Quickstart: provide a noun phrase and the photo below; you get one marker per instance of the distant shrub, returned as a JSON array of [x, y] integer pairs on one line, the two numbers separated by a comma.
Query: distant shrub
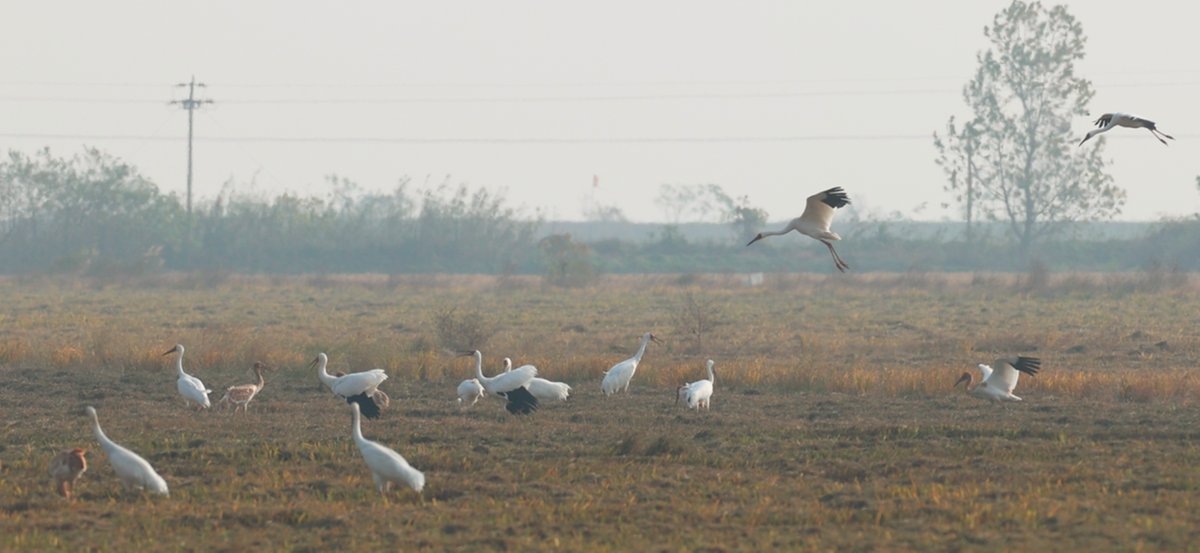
[[462, 330]]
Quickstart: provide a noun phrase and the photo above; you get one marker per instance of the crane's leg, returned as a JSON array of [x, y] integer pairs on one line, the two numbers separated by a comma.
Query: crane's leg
[[837, 260]]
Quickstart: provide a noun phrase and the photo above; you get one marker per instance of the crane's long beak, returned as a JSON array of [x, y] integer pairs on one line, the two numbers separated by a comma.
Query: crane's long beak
[[756, 239], [466, 353], [314, 362], [170, 351], [966, 377], [655, 339]]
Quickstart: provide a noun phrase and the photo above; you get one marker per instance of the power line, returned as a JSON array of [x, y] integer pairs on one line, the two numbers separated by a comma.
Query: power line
[[512, 141]]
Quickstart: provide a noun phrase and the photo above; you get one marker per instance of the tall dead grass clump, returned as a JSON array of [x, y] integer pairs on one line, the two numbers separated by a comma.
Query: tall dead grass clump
[[462, 330]]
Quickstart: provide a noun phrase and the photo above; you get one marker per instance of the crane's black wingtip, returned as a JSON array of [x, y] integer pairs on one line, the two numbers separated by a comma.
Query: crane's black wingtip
[[366, 405], [1028, 365], [836, 197], [520, 402]]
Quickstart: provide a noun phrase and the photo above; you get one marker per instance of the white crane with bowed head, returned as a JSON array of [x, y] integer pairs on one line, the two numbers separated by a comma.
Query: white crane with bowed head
[[700, 392], [386, 465], [815, 221], [541, 388], [998, 385], [1109, 121], [354, 387], [190, 387], [618, 377], [133, 470], [512, 386], [469, 392]]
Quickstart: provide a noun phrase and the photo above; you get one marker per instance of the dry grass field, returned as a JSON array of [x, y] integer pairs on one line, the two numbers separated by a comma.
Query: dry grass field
[[834, 425]]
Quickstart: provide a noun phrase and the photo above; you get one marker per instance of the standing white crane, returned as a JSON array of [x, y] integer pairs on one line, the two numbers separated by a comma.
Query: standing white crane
[[815, 221], [1108, 121], [700, 392], [354, 387], [469, 390], [190, 387], [617, 378], [997, 385], [386, 465], [510, 385], [133, 470], [543, 389], [239, 396]]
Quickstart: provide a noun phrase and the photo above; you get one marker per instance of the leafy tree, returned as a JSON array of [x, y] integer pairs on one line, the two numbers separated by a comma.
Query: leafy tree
[[1024, 166]]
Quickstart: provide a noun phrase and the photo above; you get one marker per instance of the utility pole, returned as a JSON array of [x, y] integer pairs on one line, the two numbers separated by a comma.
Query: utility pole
[[191, 105]]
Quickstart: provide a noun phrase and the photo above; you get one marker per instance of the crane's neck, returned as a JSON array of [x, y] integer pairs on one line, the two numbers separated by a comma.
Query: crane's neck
[[479, 367], [712, 377], [179, 365], [321, 374], [261, 381], [642, 349], [780, 232], [507, 364], [358, 437], [104, 441]]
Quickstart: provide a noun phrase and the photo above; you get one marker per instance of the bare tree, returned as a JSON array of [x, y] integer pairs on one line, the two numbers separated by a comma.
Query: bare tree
[[1024, 167]]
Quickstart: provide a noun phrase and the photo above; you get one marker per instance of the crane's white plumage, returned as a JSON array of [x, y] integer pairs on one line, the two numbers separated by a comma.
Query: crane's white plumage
[[511, 385], [700, 392], [618, 377], [190, 387], [815, 222], [133, 470], [469, 392], [386, 465], [354, 387], [1109, 121], [998, 384], [541, 388]]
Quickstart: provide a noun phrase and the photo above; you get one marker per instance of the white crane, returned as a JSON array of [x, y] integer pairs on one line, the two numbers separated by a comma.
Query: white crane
[[240, 396], [190, 387], [543, 389], [700, 392], [354, 387], [617, 378], [66, 468], [510, 385], [815, 221], [133, 470], [386, 465], [1108, 121], [469, 390], [997, 385]]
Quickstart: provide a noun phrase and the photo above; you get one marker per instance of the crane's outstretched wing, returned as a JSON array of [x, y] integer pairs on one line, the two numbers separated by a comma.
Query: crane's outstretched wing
[[520, 401], [819, 207], [986, 370], [1008, 370]]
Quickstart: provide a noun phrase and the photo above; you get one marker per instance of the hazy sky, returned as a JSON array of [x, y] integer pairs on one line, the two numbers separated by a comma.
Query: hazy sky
[[775, 100]]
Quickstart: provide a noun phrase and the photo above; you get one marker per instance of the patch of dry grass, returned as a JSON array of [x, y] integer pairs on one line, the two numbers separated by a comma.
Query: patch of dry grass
[[834, 425]]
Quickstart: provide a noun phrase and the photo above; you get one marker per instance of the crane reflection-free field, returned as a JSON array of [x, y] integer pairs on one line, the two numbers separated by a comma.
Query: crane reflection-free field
[[834, 420]]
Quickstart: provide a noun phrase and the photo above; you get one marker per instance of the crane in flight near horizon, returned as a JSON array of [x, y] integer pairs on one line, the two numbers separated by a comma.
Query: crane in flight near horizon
[[1107, 121], [815, 221]]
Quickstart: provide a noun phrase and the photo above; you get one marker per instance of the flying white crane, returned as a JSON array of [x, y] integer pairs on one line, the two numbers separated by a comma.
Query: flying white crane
[[469, 390], [190, 387], [66, 468], [1108, 121], [354, 387], [386, 465], [700, 392], [133, 470], [510, 385], [815, 221], [997, 385], [543, 389], [239, 396], [617, 378]]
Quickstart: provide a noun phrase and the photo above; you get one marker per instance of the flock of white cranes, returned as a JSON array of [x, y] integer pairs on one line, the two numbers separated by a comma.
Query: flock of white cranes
[[521, 388]]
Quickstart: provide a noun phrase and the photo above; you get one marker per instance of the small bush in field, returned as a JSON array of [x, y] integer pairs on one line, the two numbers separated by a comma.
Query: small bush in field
[[462, 330]]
